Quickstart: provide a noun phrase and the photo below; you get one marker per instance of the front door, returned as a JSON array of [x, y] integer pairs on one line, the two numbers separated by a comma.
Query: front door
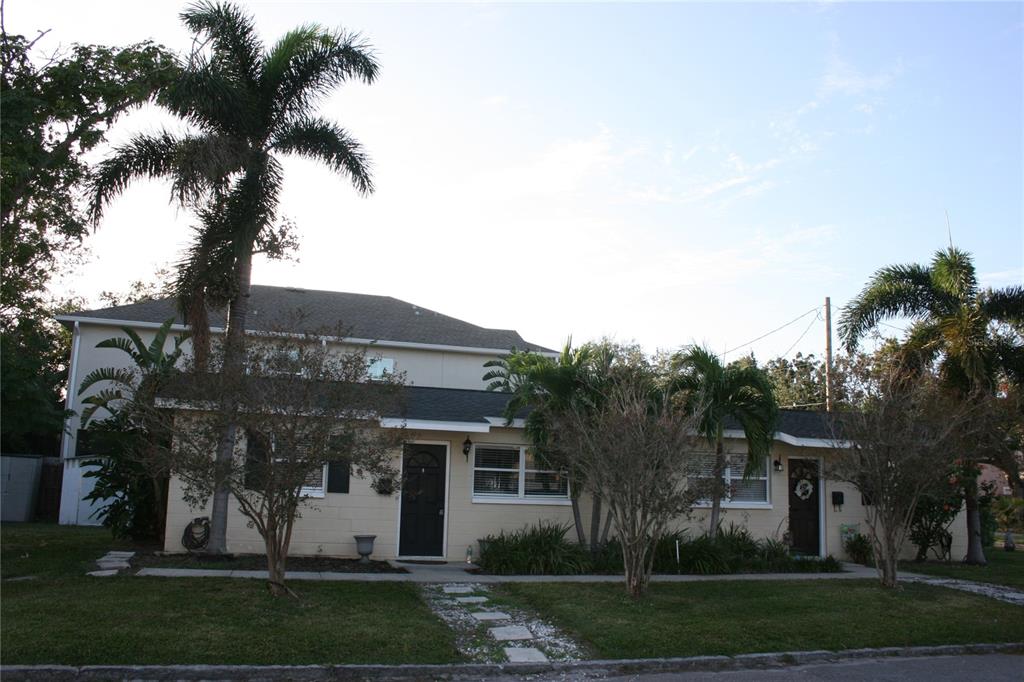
[[422, 521], [804, 506]]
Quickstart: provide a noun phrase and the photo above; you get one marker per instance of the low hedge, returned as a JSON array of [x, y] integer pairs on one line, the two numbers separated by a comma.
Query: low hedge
[[544, 549]]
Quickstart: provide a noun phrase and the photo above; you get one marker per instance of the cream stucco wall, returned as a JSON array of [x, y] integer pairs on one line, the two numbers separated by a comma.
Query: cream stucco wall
[[328, 524]]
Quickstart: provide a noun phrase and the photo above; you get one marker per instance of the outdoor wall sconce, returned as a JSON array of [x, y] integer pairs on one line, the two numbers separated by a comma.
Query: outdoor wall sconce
[[777, 465], [837, 500], [467, 445]]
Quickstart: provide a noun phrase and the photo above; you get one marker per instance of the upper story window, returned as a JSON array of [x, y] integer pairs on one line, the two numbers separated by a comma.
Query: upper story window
[[511, 473], [378, 367], [740, 491]]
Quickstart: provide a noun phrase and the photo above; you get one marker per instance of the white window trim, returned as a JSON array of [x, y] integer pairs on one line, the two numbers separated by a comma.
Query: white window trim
[[746, 504], [307, 491], [521, 497], [320, 492]]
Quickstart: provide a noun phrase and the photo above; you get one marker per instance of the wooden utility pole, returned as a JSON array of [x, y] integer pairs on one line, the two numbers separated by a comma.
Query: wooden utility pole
[[828, 354]]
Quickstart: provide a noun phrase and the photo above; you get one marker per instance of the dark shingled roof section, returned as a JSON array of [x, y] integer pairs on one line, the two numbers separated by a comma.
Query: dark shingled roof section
[[361, 316], [798, 423], [428, 403], [454, 404]]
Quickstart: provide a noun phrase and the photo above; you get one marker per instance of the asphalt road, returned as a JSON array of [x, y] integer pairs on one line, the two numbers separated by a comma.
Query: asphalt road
[[982, 668]]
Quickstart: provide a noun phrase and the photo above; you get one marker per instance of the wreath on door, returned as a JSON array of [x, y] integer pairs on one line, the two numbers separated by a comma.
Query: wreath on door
[[804, 489]]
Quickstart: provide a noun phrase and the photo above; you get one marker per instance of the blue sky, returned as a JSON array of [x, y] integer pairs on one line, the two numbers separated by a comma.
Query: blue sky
[[668, 173]]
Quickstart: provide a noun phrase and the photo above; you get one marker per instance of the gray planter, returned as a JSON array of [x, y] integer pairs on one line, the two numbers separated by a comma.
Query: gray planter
[[364, 545]]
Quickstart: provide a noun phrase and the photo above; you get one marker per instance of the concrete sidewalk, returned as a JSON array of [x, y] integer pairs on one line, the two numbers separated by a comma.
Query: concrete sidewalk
[[456, 572]]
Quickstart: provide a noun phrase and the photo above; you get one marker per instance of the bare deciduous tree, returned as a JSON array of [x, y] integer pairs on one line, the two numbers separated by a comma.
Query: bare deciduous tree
[[637, 450], [302, 404], [894, 446]]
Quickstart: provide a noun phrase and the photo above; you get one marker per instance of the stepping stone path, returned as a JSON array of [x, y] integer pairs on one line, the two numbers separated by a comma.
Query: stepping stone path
[[110, 563], [464, 608], [507, 633], [524, 654]]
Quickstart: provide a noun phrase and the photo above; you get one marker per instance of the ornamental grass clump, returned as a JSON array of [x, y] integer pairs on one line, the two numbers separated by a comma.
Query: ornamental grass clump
[[536, 550]]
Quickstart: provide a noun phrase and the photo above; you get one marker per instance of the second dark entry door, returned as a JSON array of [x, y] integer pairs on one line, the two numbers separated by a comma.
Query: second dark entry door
[[804, 506], [422, 514]]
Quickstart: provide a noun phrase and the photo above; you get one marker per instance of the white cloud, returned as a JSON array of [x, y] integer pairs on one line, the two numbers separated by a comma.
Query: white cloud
[[843, 78]]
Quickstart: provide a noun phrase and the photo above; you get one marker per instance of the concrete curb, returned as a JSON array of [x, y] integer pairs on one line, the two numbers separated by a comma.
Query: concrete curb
[[467, 671]]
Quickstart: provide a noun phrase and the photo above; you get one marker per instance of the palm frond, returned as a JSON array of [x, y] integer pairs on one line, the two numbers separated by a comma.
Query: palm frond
[[307, 63], [122, 344], [232, 34], [1004, 305], [894, 291], [952, 271], [115, 375], [144, 156], [327, 142]]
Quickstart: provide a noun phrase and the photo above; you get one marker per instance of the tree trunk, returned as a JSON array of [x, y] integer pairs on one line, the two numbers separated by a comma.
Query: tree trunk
[[577, 519], [607, 528], [234, 356], [635, 564], [159, 507], [595, 526], [975, 552], [716, 495]]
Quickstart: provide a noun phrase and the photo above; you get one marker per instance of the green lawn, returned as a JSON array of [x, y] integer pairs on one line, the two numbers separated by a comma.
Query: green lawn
[[689, 619], [63, 616], [1004, 568]]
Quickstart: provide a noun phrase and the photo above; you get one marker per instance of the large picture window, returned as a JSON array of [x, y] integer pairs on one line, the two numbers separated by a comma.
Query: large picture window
[[751, 491], [511, 473]]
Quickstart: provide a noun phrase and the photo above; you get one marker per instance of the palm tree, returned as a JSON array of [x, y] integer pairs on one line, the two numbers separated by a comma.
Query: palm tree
[[547, 387], [248, 105], [127, 396], [973, 334], [717, 394]]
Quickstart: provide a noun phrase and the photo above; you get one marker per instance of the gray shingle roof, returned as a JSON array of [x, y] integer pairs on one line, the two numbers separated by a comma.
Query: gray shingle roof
[[361, 316], [798, 423]]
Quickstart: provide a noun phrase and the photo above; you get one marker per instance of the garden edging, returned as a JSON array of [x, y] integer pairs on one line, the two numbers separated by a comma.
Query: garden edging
[[60, 673]]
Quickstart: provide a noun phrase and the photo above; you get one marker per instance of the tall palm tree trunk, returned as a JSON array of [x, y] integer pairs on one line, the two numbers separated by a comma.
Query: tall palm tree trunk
[[975, 551], [718, 472], [234, 355]]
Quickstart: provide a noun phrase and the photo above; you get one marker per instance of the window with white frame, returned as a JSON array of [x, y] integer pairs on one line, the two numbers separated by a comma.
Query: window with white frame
[[740, 491], [376, 368], [261, 451], [512, 472]]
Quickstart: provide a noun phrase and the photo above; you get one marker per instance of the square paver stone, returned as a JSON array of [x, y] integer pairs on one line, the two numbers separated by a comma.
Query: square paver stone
[[490, 615], [508, 633], [471, 600], [457, 589], [101, 574], [119, 555], [112, 565], [524, 654]]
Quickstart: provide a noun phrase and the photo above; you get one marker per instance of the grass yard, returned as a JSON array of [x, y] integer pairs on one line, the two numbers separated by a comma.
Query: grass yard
[[63, 616], [690, 619], [1004, 568]]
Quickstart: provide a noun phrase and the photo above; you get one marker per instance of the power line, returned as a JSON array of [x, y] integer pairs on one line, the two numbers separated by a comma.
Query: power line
[[817, 318], [777, 329]]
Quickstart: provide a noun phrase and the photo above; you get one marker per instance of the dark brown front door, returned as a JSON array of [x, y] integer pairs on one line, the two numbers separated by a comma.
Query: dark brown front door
[[422, 522], [804, 506]]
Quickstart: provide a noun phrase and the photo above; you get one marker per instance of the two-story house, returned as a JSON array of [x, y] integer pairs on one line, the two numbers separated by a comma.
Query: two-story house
[[474, 472]]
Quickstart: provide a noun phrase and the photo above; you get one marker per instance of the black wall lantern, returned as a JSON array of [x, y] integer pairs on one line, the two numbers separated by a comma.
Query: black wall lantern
[[467, 445], [777, 465], [837, 500]]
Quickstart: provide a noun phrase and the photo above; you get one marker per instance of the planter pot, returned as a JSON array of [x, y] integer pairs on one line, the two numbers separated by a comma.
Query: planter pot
[[364, 545]]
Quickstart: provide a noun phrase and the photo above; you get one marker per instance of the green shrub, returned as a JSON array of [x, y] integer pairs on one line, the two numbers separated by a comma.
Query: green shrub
[[703, 556], [544, 550], [536, 550], [858, 547]]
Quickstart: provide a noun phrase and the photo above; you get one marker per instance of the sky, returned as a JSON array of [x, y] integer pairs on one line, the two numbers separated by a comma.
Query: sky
[[667, 173]]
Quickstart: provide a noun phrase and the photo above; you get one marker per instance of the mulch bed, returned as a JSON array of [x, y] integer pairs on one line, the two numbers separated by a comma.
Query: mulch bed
[[258, 562]]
